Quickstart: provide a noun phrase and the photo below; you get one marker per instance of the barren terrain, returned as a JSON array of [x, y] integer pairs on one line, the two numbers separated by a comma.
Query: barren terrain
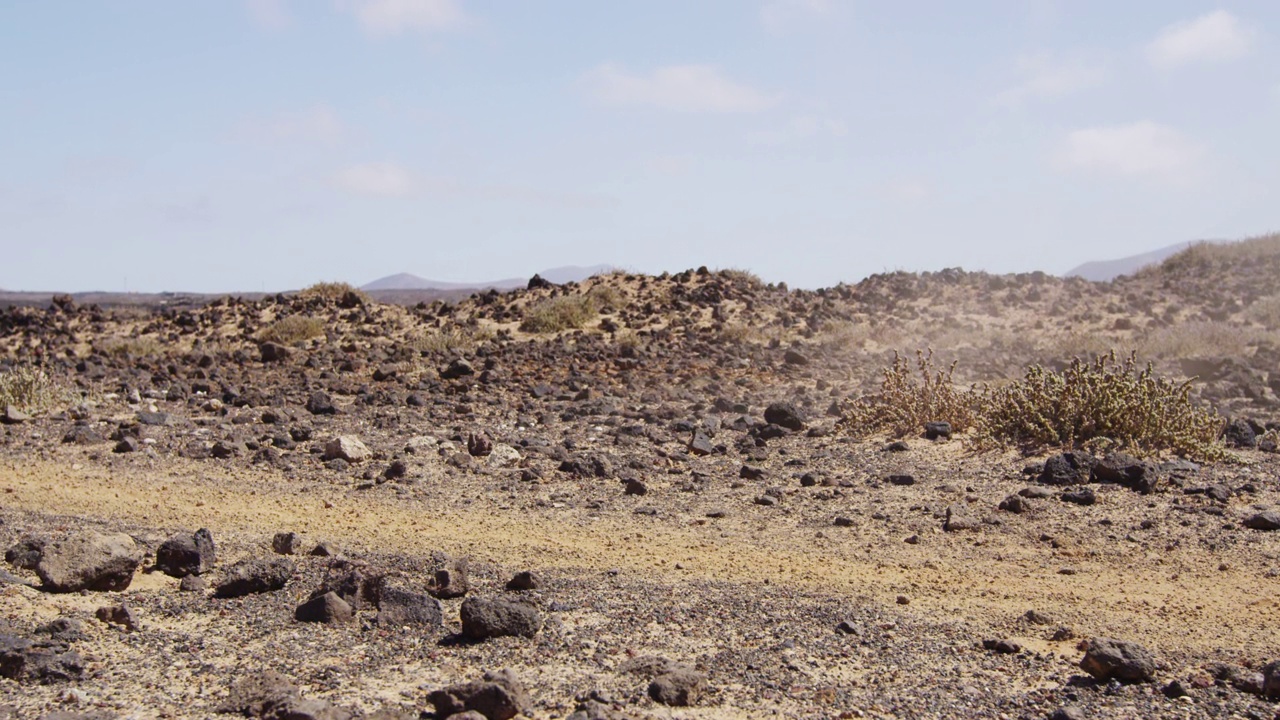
[[705, 537]]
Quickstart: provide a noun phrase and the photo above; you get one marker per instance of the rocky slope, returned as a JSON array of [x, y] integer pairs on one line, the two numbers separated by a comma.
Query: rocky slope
[[450, 507]]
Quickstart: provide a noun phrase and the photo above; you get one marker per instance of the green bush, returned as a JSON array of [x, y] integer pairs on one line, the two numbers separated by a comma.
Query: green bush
[[292, 330], [1102, 404], [559, 313]]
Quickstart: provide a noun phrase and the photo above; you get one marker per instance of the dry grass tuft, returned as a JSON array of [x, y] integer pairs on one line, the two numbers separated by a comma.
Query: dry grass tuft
[[911, 394], [559, 313], [30, 389], [1199, 338], [451, 340], [130, 347], [292, 330]]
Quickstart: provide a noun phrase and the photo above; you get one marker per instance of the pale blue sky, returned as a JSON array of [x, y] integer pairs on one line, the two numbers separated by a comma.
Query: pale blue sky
[[247, 144]]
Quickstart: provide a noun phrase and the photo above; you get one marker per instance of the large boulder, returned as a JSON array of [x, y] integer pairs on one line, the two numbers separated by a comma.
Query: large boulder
[[1107, 659], [680, 687], [400, 607], [186, 554], [42, 660], [89, 561], [482, 619], [1126, 470], [1070, 468], [499, 696]]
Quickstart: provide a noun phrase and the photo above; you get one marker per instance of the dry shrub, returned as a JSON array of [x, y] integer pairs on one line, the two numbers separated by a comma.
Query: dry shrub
[[30, 389], [1100, 404], [292, 330], [559, 313], [909, 397], [607, 298], [1266, 312], [451, 340], [738, 276], [331, 292], [1199, 338], [131, 347]]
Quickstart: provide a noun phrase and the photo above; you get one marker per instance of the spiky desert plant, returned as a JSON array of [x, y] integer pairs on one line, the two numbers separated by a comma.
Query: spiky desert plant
[[1102, 403], [911, 394]]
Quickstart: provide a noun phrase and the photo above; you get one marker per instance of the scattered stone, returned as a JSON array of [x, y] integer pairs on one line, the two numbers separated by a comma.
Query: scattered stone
[[286, 543], [847, 628], [26, 552], [784, 414], [902, 480], [1080, 496], [746, 472], [1071, 468], [186, 554], [1271, 680], [1269, 520], [523, 580], [678, 688], [1069, 712], [192, 583], [791, 357], [42, 661], [700, 444], [1175, 690], [271, 352], [257, 694], [1126, 470], [89, 561], [451, 581], [634, 486], [937, 430], [1002, 646], [1015, 504], [121, 615], [482, 619], [13, 416], [327, 608], [321, 404], [957, 521], [842, 521], [348, 448], [1106, 659], [398, 607], [498, 696], [1240, 433], [458, 368], [254, 576], [83, 435]]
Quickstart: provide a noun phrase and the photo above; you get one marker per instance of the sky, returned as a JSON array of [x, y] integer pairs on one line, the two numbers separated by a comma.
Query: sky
[[243, 145]]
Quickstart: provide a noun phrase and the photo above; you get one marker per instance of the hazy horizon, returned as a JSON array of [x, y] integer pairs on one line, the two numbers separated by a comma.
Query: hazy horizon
[[255, 145]]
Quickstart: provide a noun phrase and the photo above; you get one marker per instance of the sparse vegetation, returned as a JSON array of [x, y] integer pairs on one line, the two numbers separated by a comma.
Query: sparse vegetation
[[30, 389], [331, 292], [559, 313], [1196, 339], [1266, 312], [911, 394], [1205, 255], [292, 330], [131, 346], [1099, 404], [451, 340], [607, 298]]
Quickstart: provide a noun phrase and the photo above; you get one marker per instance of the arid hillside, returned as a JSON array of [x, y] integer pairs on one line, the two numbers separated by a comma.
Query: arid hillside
[[693, 495]]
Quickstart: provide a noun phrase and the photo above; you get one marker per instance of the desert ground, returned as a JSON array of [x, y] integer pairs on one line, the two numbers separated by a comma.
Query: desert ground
[[637, 497]]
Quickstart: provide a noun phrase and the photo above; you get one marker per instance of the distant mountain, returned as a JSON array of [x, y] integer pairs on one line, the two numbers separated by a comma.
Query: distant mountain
[[1104, 270], [407, 281]]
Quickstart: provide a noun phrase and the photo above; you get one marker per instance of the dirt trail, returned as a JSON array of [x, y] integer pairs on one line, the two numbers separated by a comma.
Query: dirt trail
[[1201, 612]]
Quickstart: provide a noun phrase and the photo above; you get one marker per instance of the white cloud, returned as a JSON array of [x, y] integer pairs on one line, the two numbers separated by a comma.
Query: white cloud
[[800, 127], [317, 124], [778, 15], [1138, 149], [1216, 37], [393, 17], [685, 88], [269, 14], [383, 179], [1047, 78]]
